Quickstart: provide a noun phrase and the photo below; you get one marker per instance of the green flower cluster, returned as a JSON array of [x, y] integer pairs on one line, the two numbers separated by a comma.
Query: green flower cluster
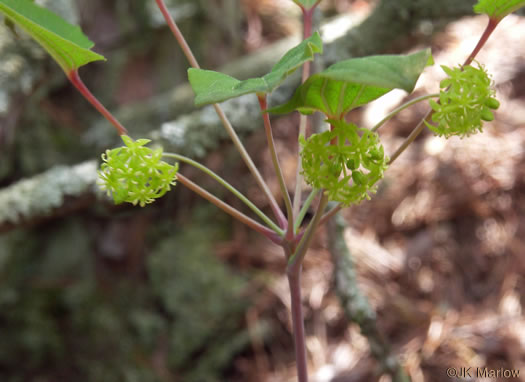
[[466, 101], [346, 162], [135, 174]]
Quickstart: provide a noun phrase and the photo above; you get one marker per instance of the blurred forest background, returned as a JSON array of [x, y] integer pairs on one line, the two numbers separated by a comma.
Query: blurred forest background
[[177, 291]]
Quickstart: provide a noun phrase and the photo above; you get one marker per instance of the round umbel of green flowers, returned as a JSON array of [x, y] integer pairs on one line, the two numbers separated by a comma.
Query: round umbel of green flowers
[[135, 174], [346, 162], [465, 101]]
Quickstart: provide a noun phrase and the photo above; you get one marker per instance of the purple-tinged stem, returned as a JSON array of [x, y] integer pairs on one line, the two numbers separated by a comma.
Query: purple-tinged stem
[[279, 215], [277, 167], [294, 281], [273, 236], [307, 32], [295, 259], [77, 82], [330, 214], [177, 33], [293, 271], [493, 23]]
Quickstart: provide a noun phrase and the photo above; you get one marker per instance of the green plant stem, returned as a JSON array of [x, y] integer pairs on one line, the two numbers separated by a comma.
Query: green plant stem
[[304, 209], [303, 121], [327, 216], [276, 165], [75, 79], [493, 23], [273, 236], [411, 138], [230, 188], [296, 259], [403, 107], [299, 178], [226, 123]]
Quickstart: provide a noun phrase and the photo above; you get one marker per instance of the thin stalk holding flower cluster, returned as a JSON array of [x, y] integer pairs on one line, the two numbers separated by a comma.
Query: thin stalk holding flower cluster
[[227, 125], [77, 82], [229, 209], [304, 209], [401, 108], [303, 121], [296, 259], [276, 166], [228, 186]]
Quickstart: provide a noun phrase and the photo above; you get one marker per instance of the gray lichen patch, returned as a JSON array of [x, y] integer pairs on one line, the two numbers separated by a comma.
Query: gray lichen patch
[[40, 194]]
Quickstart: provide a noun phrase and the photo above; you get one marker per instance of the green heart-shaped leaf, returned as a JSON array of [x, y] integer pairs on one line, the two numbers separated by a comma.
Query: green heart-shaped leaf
[[64, 42], [307, 4], [498, 9], [355, 82], [213, 87]]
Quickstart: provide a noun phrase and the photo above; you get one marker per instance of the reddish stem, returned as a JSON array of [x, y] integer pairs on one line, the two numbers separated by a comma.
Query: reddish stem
[[77, 82], [178, 35], [226, 123], [296, 257], [493, 23], [333, 142], [308, 21], [303, 124], [288, 225]]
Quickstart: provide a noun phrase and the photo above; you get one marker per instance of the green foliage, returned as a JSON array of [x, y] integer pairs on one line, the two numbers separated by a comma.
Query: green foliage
[[465, 101], [64, 42], [307, 4], [346, 162], [213, 87], [355, 82], [498, 9], [135, 173]]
